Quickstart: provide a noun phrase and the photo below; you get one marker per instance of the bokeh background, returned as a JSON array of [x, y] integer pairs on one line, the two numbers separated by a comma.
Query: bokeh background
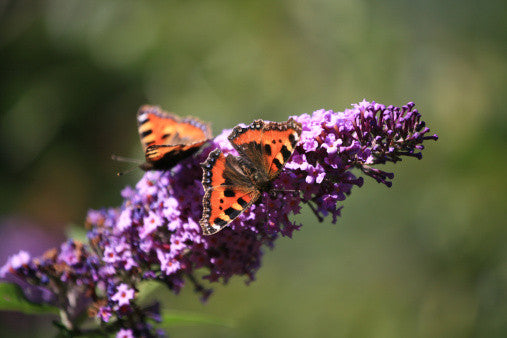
[[426, 258]]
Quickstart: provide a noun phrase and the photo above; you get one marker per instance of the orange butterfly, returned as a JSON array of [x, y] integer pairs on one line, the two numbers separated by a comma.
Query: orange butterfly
[[233, 183], [167, 138]]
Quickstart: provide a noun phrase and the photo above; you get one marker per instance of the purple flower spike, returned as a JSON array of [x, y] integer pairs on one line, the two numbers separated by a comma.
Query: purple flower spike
[[15, 262], [123, 294], [155, 234], [125, 333]]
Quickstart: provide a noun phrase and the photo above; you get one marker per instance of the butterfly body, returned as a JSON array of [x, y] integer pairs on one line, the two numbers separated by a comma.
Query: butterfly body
[[167, 138], [233, 183]]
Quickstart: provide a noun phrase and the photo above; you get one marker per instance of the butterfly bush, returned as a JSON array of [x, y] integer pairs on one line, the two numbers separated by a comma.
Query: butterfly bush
[[155, 234]]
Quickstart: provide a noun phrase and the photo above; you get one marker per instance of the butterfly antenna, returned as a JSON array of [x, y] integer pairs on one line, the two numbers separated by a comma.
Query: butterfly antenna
[[125, 159], [128, 160], [119, 173]]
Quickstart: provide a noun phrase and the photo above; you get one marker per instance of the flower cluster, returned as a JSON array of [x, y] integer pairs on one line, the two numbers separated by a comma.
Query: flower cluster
[[155, 234]]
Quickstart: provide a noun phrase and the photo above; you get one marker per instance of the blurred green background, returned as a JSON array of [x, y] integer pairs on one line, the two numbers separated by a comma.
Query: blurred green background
[[426, 258]]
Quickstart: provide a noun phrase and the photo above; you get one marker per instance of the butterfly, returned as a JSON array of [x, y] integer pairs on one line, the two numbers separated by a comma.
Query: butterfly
[[167, 138], [233, 183]]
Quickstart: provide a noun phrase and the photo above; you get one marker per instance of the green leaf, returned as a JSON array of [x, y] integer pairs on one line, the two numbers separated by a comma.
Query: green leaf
[[12, 298], [175, 318]]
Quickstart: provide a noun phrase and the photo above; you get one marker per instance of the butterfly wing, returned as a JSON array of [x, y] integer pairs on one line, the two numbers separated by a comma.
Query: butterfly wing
[[278, 143], [228, 192], [154, 125], [157, 127], [267, 145], [167, 139], [223, 204], [191, 130]]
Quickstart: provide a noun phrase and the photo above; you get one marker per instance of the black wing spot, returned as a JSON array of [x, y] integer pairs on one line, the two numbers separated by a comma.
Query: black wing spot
[[279, 141], [229, 193], [274, 141], [165, 136], [292, 139], [242, 202], [267, 149], [146, 133], [221, 201], [285, 153], [220, 222], [231, 212], [277, 163]]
